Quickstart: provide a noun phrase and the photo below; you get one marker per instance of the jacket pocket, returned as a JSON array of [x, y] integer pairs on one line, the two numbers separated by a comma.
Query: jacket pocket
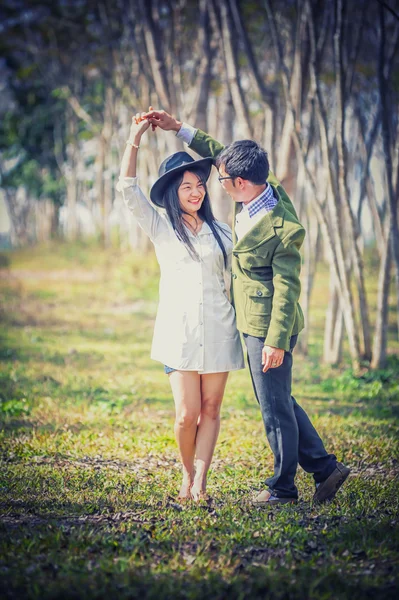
[[254, 259], [259, 298]]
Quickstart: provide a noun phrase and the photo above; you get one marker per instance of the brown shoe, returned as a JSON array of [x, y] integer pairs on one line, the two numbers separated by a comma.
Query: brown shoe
[[328, 488], [265, 497]]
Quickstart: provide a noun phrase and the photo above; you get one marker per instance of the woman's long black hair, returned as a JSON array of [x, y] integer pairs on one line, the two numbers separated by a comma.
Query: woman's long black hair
[[175, 213]]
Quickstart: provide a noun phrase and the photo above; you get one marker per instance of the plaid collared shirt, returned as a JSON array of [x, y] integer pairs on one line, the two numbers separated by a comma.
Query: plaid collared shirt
[[266, 200]]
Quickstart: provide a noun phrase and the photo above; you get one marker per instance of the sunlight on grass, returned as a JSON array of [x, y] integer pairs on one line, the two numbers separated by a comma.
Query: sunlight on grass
[[90, 467]]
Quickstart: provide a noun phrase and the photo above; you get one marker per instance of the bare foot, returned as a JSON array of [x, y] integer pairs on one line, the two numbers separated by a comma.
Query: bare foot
[[199, 494], [196, 490], [185, 491]]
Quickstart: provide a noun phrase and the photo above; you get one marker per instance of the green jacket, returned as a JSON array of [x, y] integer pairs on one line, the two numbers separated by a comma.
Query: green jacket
[[266, 265]]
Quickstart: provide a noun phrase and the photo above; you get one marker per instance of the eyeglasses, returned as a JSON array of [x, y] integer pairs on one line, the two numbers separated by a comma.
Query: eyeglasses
[[222, 178]]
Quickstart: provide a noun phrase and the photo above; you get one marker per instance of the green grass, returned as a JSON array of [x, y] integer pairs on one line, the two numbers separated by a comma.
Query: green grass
[[90, 469]]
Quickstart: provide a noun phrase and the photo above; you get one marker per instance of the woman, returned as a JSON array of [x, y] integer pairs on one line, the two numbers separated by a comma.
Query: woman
[[195, 335]]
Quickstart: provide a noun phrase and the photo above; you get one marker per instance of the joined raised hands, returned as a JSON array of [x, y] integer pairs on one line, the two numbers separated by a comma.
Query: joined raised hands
[[138, 127], [162, 119]]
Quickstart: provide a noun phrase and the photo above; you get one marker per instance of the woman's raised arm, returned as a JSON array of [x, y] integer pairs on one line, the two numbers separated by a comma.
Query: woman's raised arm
[[145, 214], [129, 159]]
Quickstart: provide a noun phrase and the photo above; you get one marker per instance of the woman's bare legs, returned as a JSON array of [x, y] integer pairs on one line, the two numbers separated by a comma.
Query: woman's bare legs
[[186, 389], [212, 390]]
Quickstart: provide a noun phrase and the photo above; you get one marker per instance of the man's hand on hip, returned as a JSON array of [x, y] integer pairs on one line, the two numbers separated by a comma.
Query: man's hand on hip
[[272, 357], [162, 119]]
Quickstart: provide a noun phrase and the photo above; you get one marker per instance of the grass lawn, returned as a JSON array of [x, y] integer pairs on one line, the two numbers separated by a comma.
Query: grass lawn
[[90, 468]]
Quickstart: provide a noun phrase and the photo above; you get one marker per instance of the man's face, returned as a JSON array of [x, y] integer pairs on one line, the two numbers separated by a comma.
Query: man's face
[[229, 185]]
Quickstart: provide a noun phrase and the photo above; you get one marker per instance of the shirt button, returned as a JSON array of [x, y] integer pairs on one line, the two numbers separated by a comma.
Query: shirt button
[[258, 293], [234, 276], [201, 345]]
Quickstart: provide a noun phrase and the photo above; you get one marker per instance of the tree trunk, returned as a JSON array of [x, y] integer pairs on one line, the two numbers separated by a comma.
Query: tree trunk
[[295, 90], [70, 176], [384, 87], [153, 38], [19, 208], [99, 167], [223, 129], [44, 219], [381, 325], [106, 158], [306, 287], [342, 186], [269, 136], [202, 82], [264, 93], [240, 106], [336, 250], [338, 337], [331, 314], [366, 147], [338, 247]]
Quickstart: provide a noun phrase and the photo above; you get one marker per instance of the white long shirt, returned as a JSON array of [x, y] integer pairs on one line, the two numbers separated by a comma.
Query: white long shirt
[[195, 328]]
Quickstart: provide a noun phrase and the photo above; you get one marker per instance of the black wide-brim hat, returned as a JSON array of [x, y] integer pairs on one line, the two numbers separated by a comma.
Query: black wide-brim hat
[[172, 166]]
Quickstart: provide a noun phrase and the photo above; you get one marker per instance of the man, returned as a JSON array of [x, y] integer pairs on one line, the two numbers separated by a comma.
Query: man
[[265, 272]]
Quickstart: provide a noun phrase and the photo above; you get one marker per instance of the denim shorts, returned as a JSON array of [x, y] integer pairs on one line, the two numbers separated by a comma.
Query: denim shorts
[[168, 370]]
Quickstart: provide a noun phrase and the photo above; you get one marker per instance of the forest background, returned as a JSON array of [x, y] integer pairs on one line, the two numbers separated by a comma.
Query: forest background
[[89, 468], [315, 82]]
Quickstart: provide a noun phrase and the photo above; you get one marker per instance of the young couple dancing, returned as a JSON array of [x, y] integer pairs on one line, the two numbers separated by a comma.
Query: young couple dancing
[[196, 331]]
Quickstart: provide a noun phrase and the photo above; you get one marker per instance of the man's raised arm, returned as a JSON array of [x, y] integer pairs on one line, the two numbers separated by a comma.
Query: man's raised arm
[[205, 145], [199, 141]]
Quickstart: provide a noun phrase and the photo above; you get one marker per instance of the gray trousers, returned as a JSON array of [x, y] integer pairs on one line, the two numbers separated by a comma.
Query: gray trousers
[[291, 435]]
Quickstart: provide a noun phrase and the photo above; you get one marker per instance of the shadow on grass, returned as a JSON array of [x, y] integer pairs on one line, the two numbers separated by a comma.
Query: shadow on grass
[[362, 408], [129, 563], [25, 353], [10, 354], [27, 425], [257, 583]]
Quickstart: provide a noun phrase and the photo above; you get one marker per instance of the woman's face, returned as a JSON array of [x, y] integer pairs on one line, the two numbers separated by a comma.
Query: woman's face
[[191, 193]]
